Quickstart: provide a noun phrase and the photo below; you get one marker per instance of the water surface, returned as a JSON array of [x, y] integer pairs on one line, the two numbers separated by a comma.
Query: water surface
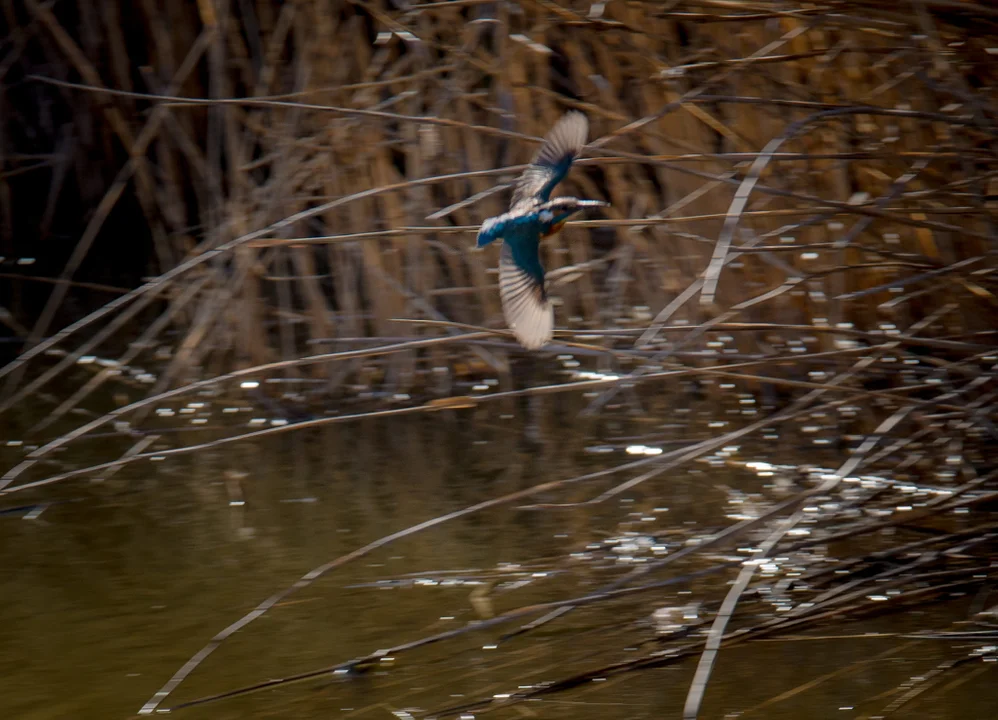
[[113, 587]]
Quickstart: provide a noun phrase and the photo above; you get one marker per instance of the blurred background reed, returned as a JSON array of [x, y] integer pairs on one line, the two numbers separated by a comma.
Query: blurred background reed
[[323, 166]]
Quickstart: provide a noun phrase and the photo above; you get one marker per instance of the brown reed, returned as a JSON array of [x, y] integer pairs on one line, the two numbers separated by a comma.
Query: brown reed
[[416, 89], [824, 165]]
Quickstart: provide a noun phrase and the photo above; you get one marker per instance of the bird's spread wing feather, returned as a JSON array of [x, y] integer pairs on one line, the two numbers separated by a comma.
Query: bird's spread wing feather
[[561, 146], [524, 303]]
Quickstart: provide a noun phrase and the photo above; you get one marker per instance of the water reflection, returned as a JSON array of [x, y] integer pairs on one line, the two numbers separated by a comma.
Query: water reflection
[[114, 585]]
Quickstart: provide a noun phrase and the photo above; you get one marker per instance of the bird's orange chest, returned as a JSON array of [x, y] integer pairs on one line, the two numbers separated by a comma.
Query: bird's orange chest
[[553, 230]]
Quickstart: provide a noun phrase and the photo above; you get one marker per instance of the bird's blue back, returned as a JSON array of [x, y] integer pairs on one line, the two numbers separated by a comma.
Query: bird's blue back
[[524, 240], [522, 231], [523, 226]]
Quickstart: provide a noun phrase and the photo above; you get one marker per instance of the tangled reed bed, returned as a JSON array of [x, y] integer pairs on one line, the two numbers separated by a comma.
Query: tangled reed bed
[[803, 200], [305, 175]]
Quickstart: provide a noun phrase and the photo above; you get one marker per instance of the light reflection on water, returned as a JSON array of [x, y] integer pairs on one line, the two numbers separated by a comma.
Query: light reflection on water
[[108, 593]]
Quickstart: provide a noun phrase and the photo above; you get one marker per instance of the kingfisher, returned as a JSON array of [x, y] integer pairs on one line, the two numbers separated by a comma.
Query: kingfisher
[[533, 216]]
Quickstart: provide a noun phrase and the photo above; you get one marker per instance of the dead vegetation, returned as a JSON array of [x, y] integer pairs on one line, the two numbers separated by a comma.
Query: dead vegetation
[[803, 204]]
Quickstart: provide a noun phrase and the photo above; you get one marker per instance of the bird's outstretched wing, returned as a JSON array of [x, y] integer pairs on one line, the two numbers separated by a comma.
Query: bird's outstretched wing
[[561, 146], [525, 305]]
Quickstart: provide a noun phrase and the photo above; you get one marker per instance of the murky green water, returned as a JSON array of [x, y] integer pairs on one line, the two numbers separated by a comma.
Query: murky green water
[[111, 590]]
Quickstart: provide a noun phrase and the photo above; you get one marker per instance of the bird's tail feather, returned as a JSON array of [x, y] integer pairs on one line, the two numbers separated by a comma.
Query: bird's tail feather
[[492, 229]]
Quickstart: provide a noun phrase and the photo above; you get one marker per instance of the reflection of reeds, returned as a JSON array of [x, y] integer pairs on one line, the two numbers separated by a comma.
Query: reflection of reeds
[[801, 197], [838, 569]]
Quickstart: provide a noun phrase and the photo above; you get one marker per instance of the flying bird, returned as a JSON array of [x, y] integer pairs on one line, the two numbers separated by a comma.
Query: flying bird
[[532, 216]]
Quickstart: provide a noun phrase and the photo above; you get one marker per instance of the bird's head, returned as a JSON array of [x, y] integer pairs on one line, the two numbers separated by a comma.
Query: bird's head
[[555, 213]]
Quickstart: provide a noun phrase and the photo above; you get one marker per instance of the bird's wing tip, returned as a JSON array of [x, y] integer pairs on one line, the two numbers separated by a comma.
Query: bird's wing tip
[[566, 139], [535, 328]]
